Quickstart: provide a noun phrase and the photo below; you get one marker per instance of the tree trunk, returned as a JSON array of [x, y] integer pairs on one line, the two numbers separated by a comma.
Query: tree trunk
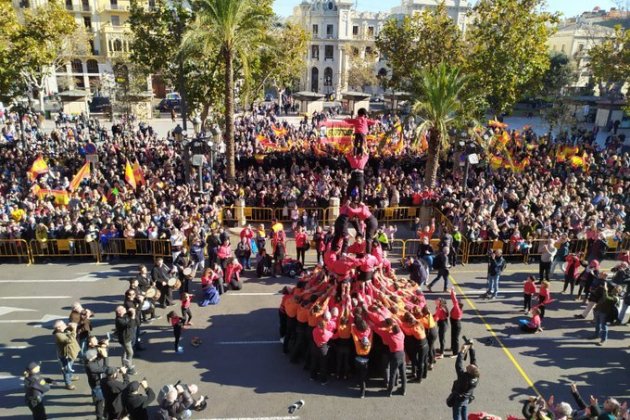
[[433, 159], [229, 117]]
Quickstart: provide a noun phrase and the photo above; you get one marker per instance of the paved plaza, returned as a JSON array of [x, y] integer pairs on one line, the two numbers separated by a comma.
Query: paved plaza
[[240, 365]]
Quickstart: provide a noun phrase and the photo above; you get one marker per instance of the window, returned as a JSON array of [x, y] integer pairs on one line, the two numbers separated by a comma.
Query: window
[[368, 51], [314, 79], [315, 30], [77, 66], [329, 52], [329, 31], [79, 82], [355, 30], [117, 45], [315, 52], [370, 31], [93, 49], [87, 22], [151, 4], [92, 66], [328, 76], [355, 52], [580, 47], [68, 4], [85, 4], [113, 4], [562, 48], [25, 4], [115, 20]]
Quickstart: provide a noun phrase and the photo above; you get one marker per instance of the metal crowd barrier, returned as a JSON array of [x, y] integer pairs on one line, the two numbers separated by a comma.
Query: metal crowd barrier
[[118, 247], [64, 248], [15, 248]]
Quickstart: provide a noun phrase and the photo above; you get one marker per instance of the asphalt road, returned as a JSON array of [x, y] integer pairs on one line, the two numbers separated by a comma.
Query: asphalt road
[[241, 368]]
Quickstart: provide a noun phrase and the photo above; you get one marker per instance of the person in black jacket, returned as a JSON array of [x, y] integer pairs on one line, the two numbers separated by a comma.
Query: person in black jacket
[[496, 265], [95, 368], [136, 403], [112, 386], [126, 330], [441, 264], [465, 384], [35, 387]]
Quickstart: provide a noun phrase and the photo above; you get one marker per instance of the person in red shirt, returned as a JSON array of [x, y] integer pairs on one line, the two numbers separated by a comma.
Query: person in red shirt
[[456, 322], [356, 185], [319, 361], [529, 289], [342, 267], [177, 323], [394, 339], [532, 325], [572, 270], [362, 213], [186, 313], [361, 126], [358, 247], [369, 263], [544, 298], [441, 317], [300, 244], [248, 233], [224, 252], [233, 274]]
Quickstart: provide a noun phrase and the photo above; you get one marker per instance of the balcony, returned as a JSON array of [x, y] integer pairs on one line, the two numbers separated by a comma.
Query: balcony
[[107, 6], [80, 8], [115, 40]]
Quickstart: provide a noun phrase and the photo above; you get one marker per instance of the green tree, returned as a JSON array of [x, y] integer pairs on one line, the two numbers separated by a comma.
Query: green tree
[[560, 74], [440, 109], [280, 60], [237, 28], [361, 72], [610, 62], [507, 49], [423, 40], [29, 46]]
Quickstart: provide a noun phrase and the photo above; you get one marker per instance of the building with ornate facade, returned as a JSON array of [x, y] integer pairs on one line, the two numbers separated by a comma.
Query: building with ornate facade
[[105, 22], [340, 32]]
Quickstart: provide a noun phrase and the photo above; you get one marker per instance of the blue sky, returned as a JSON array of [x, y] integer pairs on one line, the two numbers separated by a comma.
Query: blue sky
[[569, 8]]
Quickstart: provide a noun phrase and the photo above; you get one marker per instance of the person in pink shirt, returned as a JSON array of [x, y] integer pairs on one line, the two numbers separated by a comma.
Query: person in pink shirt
[[224, 252], [360, 211], [247, 232], [529, 289], [369, 263], [532, 325], [441, 317], [394, 339], [456, 322], [319, 363], [186, 312], [356, 185], [361, 126]]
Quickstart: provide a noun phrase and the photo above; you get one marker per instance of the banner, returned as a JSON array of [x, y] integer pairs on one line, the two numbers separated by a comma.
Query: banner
[[83, 173], [340, 133]]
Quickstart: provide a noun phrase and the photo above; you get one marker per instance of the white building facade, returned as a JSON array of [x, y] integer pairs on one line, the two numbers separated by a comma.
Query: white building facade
[[339, 32]]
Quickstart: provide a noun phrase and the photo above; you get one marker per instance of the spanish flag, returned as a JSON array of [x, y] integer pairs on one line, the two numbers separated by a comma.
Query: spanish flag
[[260, 158], [496, 162], [129, 176], [83, 173], [138, 174], [39, 167]]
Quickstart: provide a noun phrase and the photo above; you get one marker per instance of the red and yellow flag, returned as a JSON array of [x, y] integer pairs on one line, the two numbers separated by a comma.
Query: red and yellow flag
[[138, 174], [129, 176], [83, 173], [39, 167]]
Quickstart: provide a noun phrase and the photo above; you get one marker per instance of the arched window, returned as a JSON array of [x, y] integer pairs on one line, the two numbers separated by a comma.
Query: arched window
[[77, 66], [92, 66], [328, 76], [118, 45], [314, 79]]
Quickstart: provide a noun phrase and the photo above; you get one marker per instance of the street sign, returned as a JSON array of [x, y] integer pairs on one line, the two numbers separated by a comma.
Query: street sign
[[91, 158], [90, 149], [121, 74]]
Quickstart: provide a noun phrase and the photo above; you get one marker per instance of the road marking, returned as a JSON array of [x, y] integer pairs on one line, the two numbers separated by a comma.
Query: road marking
[[77, 280], [228, 343], [254, 418], [252, 294], [33, 297], [46, 318], [8, 309], [507, 352]]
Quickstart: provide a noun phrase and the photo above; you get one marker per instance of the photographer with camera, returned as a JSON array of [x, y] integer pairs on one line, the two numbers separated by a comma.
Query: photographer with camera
[[67, 350], [135, 402], [35, 387], [112, 386], [466, 382], [126, 330]]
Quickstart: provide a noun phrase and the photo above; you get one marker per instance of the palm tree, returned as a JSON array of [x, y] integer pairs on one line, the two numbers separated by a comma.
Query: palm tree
[[439, 107], [235, 28]]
